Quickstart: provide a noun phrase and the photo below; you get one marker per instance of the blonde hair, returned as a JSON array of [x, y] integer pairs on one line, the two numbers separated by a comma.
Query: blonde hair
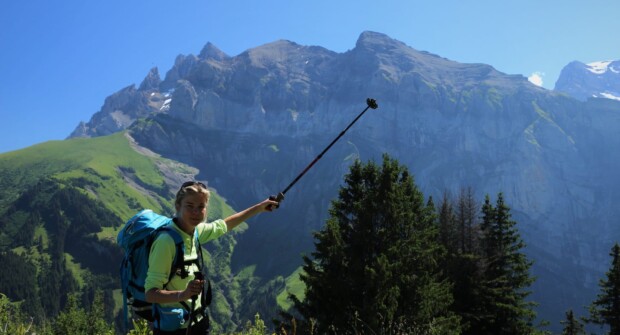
[[191, 187]]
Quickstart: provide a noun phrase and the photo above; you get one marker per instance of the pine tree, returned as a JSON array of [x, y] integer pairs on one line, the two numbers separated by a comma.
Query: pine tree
[[605, 310], [75, 320], [460, 236], [572, 326], [506, 275], [96, 317], [448, 234], [375, 264], [466, 214]]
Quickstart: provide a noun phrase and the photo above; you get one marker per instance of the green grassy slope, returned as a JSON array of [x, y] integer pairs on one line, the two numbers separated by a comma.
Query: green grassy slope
[[294, 286], [106, 169], [95, 162]]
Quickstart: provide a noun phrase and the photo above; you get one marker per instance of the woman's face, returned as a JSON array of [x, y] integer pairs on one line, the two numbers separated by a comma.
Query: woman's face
[[193, 209]]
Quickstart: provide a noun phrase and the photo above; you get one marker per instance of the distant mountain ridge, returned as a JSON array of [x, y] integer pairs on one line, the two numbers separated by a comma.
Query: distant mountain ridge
[[302, 71], [251, 122], [593, 80]]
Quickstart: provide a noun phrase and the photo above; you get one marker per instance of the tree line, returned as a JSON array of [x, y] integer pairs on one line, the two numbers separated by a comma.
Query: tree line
[[389, 261]]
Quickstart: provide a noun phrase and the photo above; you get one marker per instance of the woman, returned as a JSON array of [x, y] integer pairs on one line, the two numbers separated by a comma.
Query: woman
[[184, 291]]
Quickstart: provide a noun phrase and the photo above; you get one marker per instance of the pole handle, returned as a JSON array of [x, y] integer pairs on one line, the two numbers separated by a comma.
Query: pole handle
[[198, 276], [277, 198]]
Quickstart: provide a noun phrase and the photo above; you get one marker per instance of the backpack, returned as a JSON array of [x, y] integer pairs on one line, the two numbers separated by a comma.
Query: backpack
[[136, 238]]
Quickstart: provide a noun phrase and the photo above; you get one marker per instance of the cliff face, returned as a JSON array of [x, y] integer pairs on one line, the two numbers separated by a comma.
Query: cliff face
[[252, 122]]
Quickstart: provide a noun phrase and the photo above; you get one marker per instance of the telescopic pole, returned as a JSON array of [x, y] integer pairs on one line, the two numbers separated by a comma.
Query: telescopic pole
[[371, 103]]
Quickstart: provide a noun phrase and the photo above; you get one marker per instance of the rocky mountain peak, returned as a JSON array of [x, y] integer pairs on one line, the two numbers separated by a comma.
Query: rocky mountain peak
[[600, 79], [210, 51], [278, 52], [377, 42], [397, 61], [151, 81]]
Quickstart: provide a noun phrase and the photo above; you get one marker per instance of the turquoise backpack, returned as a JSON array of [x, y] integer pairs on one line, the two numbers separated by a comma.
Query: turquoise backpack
[[136, 238]]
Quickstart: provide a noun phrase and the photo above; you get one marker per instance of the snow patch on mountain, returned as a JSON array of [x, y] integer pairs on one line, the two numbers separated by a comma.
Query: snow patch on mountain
[[599, 67], [609, 96], [600, 79]]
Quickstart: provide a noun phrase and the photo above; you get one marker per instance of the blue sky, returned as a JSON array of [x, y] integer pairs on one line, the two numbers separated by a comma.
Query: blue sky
[[59, 60]]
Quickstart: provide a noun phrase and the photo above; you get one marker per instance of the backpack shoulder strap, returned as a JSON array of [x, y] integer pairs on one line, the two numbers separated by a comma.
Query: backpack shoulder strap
[[179, 245], [206, 296]]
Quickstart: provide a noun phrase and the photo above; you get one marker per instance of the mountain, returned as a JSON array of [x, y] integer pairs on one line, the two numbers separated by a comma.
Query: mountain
[[250, 123], [592, 80]]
